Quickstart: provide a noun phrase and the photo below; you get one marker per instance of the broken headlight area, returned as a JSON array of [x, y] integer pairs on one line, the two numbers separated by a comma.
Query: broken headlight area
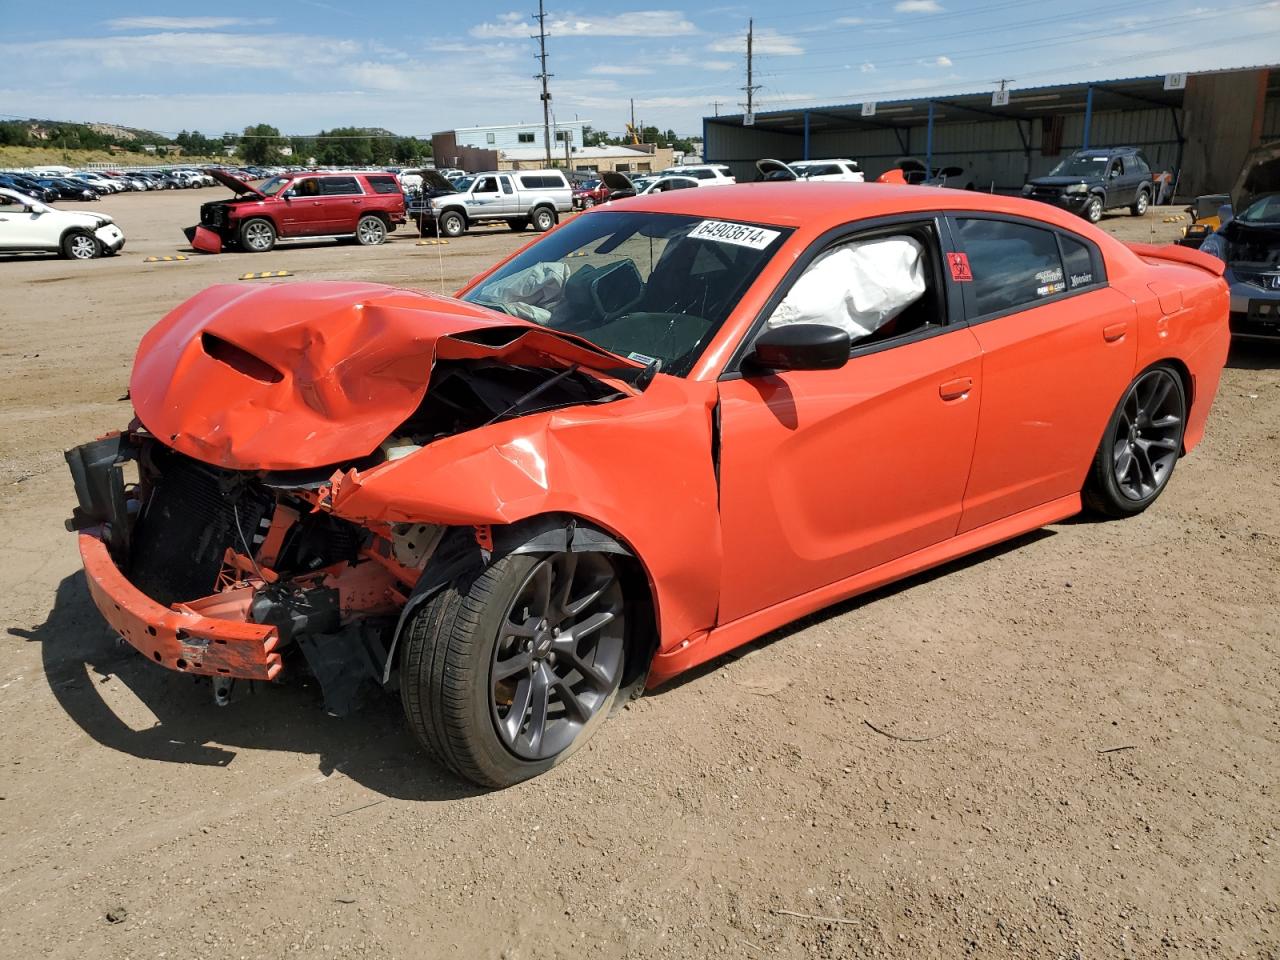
[[230, 574]]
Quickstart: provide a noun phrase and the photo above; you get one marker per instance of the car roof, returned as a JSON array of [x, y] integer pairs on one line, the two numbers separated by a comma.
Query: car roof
[[821, 206]]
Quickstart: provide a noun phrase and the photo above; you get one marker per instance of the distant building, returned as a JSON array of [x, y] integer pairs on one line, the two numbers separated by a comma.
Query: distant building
[[517, 146], [148, 148]]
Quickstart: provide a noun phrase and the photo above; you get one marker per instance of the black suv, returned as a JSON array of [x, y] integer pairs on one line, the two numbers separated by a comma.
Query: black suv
[[1090, 181]]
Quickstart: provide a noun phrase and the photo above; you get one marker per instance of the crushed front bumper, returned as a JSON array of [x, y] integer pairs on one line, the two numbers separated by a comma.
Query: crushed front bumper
[[179, 639]]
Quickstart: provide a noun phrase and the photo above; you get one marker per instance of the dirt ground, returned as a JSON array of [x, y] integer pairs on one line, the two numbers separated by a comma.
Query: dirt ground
[[1094, 772]]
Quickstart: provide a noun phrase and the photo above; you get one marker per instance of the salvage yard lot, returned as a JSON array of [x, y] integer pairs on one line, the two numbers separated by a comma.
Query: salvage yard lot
[[1066, 746]]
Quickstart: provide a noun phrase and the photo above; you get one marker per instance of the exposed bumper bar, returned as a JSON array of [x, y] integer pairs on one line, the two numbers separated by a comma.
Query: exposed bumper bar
[[177, 639]]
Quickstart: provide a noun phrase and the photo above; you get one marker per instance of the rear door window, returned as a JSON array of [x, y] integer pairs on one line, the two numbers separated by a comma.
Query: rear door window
[[384, 184], [338, 186], [1012, 265], [1077, 260]]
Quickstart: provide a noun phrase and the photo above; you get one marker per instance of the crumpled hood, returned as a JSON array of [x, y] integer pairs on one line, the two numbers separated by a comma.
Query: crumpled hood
[[302, 375]]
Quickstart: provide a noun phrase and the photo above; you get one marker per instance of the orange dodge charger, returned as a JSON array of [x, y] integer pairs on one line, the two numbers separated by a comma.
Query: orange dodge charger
[[669, 426]]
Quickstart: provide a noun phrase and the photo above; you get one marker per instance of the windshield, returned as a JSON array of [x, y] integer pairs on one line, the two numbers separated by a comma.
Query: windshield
[[1266, 210], [646, 286], [463, 184], [274, 186], [1081, 167]]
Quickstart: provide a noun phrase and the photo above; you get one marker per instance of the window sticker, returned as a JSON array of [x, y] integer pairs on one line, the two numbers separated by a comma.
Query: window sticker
[[1049, 289], [1080, 279], [1049, 276], [645, 359], [739, 234], [959, 263]]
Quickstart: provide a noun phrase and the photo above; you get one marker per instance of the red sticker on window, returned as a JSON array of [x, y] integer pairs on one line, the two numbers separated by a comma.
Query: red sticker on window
[[959, 267]]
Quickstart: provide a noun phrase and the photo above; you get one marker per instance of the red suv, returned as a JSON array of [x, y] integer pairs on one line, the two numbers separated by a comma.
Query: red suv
[[363, 206]]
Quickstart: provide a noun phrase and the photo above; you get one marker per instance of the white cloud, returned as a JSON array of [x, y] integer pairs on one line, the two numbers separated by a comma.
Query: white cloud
[[918, 6], [942, 62], [718, 65], [850, 21], [618, 70], [635, 23], [765, 42], [868, 68], [186, 23]]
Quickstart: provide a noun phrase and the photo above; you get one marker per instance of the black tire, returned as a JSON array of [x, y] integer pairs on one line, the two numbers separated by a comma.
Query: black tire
[[371, 231], [80, 245], [1125, 477], [543, 219], [1093, 210], [257, 236], [452, 223], [518, 223], [1139, 206], [463, 661]]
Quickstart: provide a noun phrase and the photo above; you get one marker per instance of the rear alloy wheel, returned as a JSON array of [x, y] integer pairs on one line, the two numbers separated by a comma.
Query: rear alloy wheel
[[258, 236], [81, 246], [1139, 206], [543, 220], [1141, 446], [506, 676], [1093, 212], [371, 231]]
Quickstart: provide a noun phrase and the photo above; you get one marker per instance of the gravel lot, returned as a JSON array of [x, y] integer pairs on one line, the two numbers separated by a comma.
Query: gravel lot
[[751, 810]]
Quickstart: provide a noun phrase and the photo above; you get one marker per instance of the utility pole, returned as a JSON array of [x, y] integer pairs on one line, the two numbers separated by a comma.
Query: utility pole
[[541, 37], [751, 87], [715, 105]]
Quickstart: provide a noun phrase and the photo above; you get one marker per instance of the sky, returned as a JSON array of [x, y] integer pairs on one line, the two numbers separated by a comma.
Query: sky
[[306, 65]]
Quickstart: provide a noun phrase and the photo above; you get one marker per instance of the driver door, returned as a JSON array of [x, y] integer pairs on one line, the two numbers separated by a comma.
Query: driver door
[[21, 228], [486, 198], [825, 474]]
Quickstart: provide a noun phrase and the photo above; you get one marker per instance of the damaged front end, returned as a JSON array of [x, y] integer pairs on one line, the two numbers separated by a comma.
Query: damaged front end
[[213, 530]]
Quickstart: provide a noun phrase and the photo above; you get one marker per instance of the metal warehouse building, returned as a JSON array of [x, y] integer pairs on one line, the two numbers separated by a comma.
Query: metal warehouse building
[[1198, 126]]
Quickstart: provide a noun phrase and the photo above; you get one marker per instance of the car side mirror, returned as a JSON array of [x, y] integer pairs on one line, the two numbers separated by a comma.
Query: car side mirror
[[801, 346], [288, 194]]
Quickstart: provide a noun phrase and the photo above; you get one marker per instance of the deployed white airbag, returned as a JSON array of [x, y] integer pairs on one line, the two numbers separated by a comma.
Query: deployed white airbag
[[858, 287], [532, 292]]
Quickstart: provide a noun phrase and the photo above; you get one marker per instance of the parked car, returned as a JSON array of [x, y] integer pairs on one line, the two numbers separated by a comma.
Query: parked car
[[68, 189], [610, 186], [1249, 245], [519, 198], [99, 181], [664, 429], [27, 224], [837, 170], [711, 174], [663, 184], [28, 187], [1091, 181], [364, 207]]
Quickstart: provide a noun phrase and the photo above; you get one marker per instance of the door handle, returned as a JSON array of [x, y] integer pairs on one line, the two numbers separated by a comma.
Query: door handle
[[1115, 332], [956, 389]]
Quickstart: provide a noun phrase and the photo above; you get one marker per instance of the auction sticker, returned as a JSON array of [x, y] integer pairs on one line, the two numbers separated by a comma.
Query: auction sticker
[[739, 234]]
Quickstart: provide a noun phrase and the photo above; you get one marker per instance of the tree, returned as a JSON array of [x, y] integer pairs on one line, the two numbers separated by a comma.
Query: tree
[[260, 144]]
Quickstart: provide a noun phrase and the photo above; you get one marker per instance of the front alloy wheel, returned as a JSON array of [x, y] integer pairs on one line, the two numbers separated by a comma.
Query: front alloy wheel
[[504, 677], [258, 236], [1143, 441], [80, 246], [1093, 212]]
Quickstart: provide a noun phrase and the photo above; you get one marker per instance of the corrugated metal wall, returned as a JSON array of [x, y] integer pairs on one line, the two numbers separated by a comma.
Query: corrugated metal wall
[[1222, 111]]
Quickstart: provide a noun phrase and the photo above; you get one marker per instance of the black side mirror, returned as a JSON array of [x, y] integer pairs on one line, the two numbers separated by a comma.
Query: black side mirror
[[801, 346]]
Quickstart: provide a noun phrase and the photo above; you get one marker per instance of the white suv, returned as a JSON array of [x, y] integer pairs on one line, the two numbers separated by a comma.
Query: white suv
[[27, 224], [711, 174]]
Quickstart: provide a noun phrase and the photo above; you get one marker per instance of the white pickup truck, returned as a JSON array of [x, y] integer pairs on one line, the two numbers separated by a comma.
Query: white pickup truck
[[29, 225]]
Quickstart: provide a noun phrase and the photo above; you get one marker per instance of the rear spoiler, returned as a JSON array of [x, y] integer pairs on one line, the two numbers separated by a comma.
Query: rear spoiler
[[1179, 254]]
